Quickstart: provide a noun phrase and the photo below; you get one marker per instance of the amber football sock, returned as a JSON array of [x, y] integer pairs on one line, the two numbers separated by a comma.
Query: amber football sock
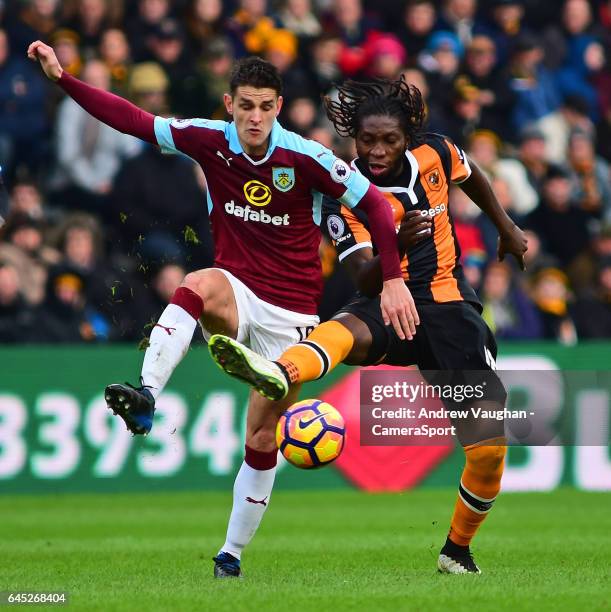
[[328, 345], [479, 485]]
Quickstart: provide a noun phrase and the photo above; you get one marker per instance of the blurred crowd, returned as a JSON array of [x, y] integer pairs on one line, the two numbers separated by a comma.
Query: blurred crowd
[[102, 227]]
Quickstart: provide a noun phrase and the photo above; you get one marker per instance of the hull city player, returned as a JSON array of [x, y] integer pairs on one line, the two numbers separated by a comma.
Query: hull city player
[[414, 170], [264, 192]]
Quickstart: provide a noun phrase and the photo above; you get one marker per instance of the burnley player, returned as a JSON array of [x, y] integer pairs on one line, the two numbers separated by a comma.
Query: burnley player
[[264, 193], [414, 169]]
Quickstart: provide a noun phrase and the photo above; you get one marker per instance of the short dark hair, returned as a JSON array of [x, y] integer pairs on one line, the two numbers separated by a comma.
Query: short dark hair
[[387, 98], [255, 72]]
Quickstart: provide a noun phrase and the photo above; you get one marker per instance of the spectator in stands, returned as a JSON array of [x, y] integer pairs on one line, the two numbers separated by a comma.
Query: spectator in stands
[[562, 226], [416, 27], [89, 153], [354, 27], [66, 45], [463, 115], [298, 17], [301, 115], [23, 118], [115, 53], [504, 194], [531, 152], [23, 246], [464, 215], [65, 316], [142, 190], [495, 95], [90, 21], [281, 51], [324, 136], [576, 22], [384, 57], [16, 315], [434, 112], [204, 21], [459, 16], [584, 61], [591, 177], [111, 286], [34, 19], [534, 254], [186, 84], [141, 28], [505, 26], [249, 28], [484, 147], [324, 69], [440, 61], [551, 295], [537, 97], [26, 199], [593, 307], [217, 63], [509, 312], [148, 87]]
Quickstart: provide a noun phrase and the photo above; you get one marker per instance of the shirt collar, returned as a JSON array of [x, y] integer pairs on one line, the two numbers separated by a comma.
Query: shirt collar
[[236, 147]]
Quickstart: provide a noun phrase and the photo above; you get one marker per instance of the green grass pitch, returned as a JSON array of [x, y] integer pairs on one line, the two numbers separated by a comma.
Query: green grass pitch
[[327, 550]]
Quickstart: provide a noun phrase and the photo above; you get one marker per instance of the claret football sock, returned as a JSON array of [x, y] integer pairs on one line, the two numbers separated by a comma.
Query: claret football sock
[[251, 493], [327, 346], [479, 485], [170, 339]]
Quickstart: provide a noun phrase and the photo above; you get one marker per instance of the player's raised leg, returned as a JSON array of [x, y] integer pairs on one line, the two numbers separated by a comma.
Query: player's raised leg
[[331, 343], [253, 485], [206, 295]]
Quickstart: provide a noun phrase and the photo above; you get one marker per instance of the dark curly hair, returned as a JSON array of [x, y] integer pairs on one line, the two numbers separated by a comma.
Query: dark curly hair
[[255, 72], [380, 97]]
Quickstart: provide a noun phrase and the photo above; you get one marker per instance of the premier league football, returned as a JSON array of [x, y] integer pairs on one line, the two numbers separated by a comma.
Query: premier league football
[[305, 303]]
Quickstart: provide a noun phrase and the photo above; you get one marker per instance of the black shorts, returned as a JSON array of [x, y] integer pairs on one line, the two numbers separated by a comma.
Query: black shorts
[[451, 337]]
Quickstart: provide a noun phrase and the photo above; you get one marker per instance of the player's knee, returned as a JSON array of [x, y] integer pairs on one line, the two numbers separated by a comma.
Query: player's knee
[[486, 460], [203, 282], [192, 281]]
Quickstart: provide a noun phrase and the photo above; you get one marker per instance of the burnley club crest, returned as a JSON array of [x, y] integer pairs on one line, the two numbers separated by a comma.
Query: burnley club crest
[[283, 178]]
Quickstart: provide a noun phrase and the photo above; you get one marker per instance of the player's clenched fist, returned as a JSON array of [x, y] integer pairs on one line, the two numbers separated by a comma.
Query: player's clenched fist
[[47, 58], [398, 308]]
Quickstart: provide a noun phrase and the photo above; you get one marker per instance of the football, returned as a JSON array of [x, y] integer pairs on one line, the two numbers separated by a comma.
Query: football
[[310, 434]]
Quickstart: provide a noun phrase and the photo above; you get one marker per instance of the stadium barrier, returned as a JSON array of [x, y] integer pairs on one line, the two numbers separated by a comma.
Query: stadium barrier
[[57, 435]]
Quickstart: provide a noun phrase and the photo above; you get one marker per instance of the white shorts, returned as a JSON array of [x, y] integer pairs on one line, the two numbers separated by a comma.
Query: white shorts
[[267, 329]]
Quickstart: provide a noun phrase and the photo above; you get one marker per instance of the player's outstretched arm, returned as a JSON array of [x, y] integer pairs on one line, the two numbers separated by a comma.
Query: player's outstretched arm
[[107, 107], [511, 238], [396, 302], [366, 270]]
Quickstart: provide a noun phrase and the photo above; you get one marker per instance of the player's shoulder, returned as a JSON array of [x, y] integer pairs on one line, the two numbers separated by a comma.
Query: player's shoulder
[[198, 123], [444, 148], [435, 138], [301, 146]]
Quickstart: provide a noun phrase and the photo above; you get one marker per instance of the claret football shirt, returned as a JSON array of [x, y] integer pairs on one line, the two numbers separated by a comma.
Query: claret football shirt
[[265, 212]]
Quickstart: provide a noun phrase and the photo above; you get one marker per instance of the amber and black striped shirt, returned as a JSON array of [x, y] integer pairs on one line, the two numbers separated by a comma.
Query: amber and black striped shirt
[[432, 268]]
